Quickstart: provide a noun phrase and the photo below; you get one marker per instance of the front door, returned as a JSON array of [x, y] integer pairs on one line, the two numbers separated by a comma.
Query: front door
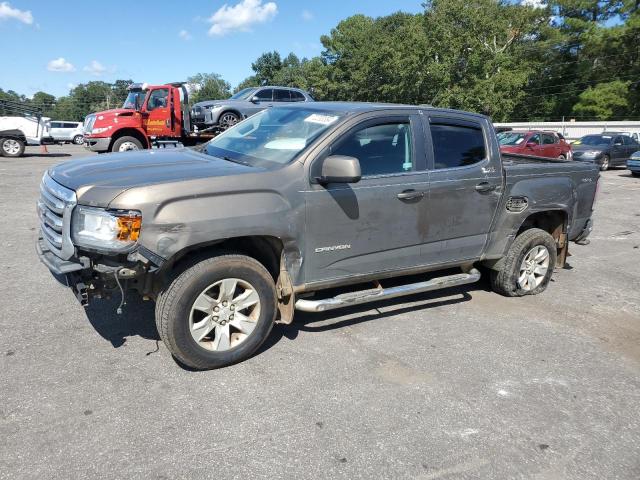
[[550, 146], [263, 99], [378, 223], [464, 191], [158, 114]]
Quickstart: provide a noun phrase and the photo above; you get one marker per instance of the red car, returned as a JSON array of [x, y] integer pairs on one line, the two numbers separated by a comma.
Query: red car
[[535, 142]]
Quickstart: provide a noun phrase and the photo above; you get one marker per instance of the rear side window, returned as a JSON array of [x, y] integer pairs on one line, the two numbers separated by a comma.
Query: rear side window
[[456, 145], [281, 95], [70, 125], [56, 125], [381, 149], [548, 139], [297, 96]]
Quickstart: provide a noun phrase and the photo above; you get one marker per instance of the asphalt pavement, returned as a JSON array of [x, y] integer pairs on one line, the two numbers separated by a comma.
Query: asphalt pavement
[[457, 384]]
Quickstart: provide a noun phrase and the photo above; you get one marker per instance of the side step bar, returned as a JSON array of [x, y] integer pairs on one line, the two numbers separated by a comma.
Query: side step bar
[[373, 295]]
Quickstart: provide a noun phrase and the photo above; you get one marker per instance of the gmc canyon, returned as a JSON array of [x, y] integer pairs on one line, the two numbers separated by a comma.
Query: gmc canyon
[[312, 207]]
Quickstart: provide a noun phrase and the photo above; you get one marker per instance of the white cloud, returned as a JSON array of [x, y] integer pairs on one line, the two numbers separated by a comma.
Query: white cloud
[[241, 16], [60, 65], [95, 68], [7, 12], [184, 35], [71, 86], [534, 3], [306, 15]]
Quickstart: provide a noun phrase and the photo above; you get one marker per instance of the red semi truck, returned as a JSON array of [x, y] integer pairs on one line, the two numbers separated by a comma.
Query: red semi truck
[[152, 115]]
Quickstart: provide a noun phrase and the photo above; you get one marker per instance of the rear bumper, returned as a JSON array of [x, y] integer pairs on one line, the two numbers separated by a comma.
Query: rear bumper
[[633, 165], [586, 231], [97, 144]]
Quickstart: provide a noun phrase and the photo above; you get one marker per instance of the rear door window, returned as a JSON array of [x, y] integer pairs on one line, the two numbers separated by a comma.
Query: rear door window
[[297, 96], [280, 95], [548, 139], [457, 144]]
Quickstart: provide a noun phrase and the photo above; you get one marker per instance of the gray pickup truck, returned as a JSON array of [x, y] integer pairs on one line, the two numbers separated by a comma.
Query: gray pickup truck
[[311, 207]]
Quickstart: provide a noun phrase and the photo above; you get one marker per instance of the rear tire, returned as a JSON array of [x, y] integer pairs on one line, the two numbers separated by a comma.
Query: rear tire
[[78, 139], [11, 147], [606, 163], [511, 279], [207, 323], [635, 174], [125, 144], [562, 157]]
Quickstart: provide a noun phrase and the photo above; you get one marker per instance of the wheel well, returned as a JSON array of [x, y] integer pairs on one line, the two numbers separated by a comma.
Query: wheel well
[[265, 249], [552, 221], [130, 132], [231, 110]]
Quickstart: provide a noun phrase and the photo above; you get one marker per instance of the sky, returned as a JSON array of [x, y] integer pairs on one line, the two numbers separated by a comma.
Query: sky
[[52, 46]]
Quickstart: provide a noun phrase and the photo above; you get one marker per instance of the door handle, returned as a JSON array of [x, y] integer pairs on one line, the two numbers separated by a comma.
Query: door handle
[[485, 187], [410, 195]]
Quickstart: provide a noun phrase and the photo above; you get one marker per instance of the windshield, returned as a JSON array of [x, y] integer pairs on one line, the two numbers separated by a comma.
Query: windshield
[[271, 137], [130, 102], [595, 140], [243, 94], [510, 138]]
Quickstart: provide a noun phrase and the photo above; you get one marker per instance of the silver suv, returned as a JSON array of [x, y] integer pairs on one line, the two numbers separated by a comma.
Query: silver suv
[[243, 104], [67, 132]]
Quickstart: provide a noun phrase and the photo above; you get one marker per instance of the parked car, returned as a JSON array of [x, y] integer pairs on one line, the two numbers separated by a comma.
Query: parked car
[[605, 150], [67, 132], [634, 135], [247, 102], [633, 164], [300, 199], [535, 142]]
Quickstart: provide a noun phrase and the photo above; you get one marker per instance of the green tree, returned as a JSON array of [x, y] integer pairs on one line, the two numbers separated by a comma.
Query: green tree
[[266, 67], [604, 100], [210, 86]]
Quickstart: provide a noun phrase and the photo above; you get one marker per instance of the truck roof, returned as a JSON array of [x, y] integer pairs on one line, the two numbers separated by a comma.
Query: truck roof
[[359, 107]]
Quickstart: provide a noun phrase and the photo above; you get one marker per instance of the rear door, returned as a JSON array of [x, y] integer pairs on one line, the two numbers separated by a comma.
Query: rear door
[[465, 187], [618, 150], [379, 223], [550, 145], [631, 146]]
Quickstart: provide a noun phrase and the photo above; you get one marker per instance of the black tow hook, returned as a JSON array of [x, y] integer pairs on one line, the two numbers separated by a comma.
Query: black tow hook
[[82, 293]]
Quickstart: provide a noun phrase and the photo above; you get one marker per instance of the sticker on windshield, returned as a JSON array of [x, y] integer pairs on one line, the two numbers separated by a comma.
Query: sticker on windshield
[[321, 119]]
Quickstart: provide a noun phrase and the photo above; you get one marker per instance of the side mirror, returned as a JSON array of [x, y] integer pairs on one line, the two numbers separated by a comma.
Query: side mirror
[[339, 169], [255, 99]]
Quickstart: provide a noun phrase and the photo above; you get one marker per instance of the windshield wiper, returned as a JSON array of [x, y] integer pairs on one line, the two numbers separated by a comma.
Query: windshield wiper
[[229, 159]]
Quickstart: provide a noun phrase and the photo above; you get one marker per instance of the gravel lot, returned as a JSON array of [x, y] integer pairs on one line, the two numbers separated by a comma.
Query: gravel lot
[[455, 384]]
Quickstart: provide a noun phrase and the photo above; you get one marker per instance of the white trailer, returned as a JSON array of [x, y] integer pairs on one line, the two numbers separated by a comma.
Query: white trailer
[[24, 126]]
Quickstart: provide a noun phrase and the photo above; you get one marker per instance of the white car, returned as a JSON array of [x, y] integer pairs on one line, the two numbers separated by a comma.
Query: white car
[[67, 132]]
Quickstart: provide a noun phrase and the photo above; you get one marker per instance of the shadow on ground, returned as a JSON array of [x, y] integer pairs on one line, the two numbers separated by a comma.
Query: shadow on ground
[[137, 318]]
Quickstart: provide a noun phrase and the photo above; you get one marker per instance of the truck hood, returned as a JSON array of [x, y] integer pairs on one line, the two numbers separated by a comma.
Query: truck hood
[[98, 180]]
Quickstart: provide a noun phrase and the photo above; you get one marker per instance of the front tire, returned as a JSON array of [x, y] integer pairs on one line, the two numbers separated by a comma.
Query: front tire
[[228, 120], [11, 147], [606, 163], [78, 139], [125, 144], [528, 265], [217, 312]]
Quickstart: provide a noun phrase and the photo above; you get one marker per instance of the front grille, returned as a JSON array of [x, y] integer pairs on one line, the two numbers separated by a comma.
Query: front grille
[[54, 209], [88, 123]]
